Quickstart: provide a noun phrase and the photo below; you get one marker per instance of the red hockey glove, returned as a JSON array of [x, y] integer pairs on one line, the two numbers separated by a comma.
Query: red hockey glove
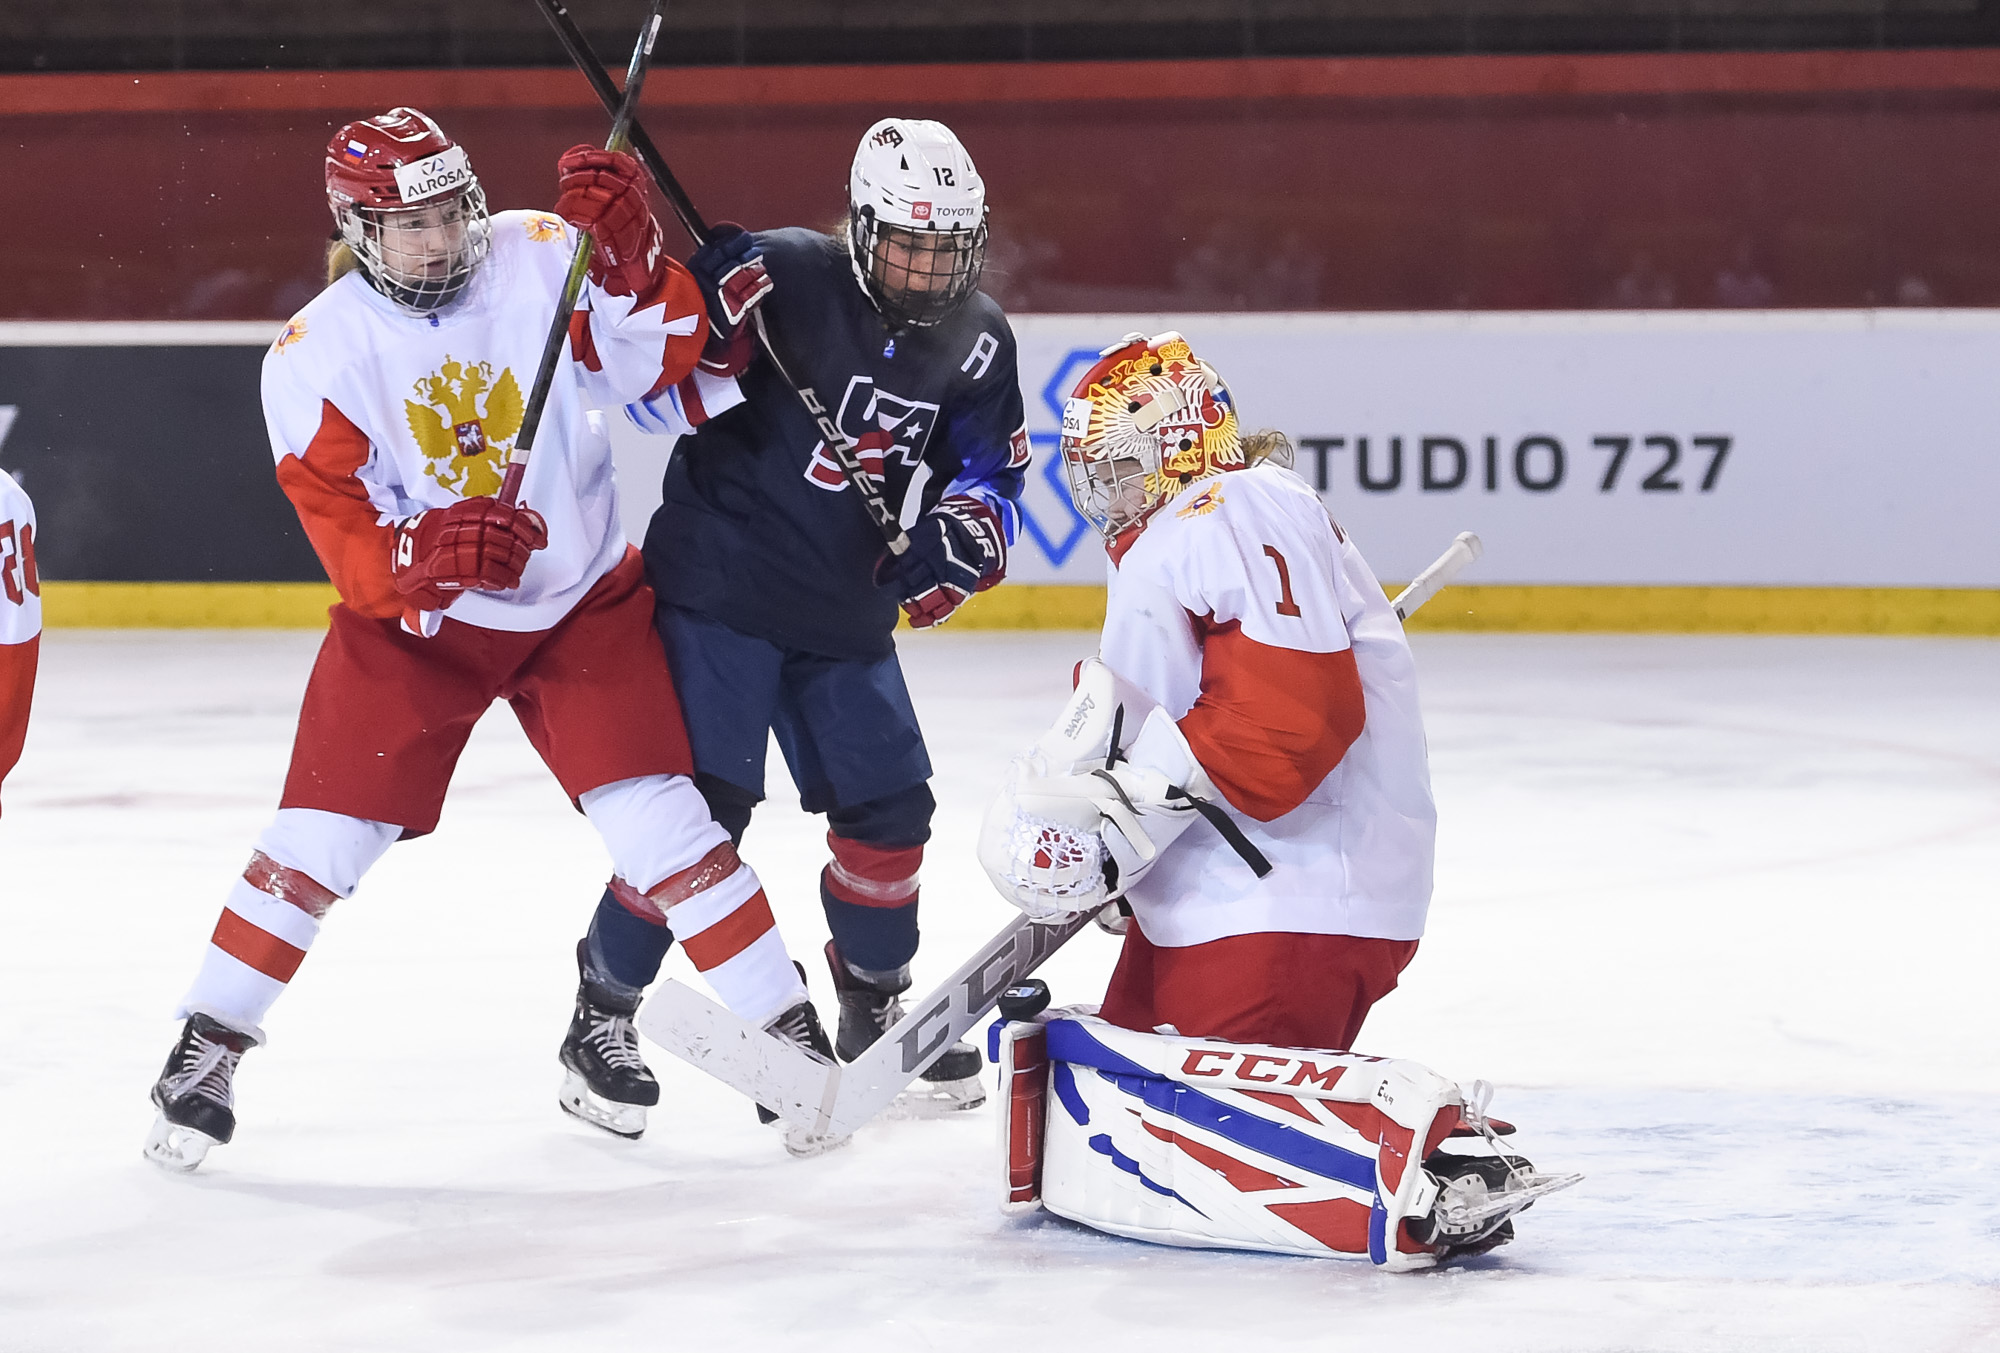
[[957, 548], [729, 268], [479, 544], [604, 192]]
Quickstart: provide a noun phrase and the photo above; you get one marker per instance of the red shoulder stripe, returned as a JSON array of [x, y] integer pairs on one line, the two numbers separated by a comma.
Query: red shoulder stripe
[[1271, 722], [332, 502]]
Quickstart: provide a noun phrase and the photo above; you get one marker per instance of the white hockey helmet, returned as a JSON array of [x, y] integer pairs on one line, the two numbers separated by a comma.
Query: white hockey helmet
[[916, 221]]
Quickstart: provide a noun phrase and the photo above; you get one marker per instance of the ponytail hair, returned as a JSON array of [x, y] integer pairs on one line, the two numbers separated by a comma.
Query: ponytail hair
[[1268, 444], [340, 260]]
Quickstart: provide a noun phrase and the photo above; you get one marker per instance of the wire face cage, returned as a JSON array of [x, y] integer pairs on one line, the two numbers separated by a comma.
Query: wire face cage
[[914, 277], [420, 257]]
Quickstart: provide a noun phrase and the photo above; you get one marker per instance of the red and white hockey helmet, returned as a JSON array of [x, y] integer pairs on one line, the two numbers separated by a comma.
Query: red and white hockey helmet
[[916, 221], [406, 201], [1148, 420]]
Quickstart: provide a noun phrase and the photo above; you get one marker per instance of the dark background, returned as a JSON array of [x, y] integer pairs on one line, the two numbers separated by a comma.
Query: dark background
[[150, 464], [1831, 180], [349, 34]]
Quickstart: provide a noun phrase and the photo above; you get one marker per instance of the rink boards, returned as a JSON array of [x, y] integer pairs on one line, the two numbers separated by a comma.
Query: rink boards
[[1760, 470]]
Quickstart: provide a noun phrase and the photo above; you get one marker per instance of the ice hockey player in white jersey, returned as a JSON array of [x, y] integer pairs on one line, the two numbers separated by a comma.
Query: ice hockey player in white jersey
[[20, 619], [1244, 766], [1262, 670], [393, 400]]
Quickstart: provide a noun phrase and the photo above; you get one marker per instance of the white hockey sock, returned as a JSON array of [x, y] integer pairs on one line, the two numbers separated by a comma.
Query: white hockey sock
[[304, 862], [677, 866]]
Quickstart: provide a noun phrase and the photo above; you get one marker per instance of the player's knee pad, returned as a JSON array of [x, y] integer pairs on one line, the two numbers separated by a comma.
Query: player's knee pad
[[895, 820], [331, 849], [653, 826], [1209, 1144]]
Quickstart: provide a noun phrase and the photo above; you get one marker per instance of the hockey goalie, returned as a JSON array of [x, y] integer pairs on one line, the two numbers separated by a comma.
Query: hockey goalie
[[1243, 770]]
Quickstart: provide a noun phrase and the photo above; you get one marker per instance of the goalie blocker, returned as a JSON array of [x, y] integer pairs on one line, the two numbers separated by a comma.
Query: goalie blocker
[[1215, 1145]]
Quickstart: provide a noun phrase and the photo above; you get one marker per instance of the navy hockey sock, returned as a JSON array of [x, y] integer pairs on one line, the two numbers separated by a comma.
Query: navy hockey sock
[[879, 939], [626, 950]]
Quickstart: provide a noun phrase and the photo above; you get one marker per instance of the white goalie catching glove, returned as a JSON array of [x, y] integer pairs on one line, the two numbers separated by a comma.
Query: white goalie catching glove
[[1085, 812]]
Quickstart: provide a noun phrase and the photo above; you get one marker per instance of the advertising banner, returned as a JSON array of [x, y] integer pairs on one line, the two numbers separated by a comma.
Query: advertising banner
[[1757, 448], [1774, 449]]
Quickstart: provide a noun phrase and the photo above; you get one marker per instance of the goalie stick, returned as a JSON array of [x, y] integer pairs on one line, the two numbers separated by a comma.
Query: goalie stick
[[838, 444], [1454, 561], [830, 1101]]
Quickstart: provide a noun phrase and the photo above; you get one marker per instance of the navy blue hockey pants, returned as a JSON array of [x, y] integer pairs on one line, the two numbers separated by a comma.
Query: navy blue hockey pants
[[848, 734]]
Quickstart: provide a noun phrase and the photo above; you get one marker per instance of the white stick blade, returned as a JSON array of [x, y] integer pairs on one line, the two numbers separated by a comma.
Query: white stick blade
[[871, 1081], [768, 1070]]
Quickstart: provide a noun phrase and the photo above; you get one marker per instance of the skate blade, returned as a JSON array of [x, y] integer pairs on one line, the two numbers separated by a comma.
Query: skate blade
[[175, 1148], [937, 1099], [580, 1102], [1472, 1212], [803, 1145]]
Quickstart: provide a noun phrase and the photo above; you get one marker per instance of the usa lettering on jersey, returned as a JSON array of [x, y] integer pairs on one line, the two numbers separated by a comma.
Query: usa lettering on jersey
[[878, 424]]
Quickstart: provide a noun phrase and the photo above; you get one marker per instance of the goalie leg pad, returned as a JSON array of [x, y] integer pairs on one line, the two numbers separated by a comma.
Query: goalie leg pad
[[1019, 1048], [1209, 1144]]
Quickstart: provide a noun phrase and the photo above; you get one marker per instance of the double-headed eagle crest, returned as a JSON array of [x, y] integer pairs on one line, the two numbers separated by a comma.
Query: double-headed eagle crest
[[466, 425]]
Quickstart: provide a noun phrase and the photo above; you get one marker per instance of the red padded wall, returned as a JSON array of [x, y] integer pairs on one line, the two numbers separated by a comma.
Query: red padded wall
[[1506, 182]]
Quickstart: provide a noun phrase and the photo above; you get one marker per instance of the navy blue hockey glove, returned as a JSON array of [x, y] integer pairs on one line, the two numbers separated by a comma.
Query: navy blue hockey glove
[[957, 548], [729, 268]]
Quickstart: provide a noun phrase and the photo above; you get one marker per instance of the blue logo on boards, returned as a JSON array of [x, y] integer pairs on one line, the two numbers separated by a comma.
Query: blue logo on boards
[[1073, 531]]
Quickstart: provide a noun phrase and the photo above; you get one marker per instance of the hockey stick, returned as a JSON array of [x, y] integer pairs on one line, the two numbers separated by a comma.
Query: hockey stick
[[838, 444], [579, 268], [1434, 579], [830, 1102]]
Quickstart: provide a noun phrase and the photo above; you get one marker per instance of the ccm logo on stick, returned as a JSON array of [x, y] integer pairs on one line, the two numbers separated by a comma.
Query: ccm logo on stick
[[1261, 1068]]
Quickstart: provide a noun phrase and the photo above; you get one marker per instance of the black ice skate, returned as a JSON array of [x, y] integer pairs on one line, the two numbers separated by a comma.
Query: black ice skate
[[800, 1027], [869, 1006], [195, 1094], [605, 1081], [1477, 1197]]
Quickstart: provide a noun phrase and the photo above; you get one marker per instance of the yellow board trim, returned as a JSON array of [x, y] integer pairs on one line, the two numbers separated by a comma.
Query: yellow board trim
[[1636, 610], [1715, 610], [1032, 606], [222, 606]]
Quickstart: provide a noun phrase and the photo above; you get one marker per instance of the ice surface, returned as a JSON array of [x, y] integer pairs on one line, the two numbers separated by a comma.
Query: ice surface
[[1717, 914]]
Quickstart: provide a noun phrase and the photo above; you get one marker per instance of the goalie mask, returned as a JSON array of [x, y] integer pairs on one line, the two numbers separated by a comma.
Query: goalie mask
[[916, 221], [1148, 420], [406, 202]]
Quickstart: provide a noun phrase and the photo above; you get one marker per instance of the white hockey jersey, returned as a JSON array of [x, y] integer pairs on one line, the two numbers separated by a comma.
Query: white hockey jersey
[[376, 414], [1226, 591], [20, 618]]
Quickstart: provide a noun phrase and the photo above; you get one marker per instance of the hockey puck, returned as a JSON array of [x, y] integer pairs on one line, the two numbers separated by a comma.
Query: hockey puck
[[1025, 999]]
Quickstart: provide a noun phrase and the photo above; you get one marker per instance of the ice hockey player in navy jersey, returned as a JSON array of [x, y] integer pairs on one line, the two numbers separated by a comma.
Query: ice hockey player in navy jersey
[[778, 598]]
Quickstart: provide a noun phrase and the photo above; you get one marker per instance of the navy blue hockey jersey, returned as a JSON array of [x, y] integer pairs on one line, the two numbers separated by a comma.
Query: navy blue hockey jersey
[[757, 527]]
